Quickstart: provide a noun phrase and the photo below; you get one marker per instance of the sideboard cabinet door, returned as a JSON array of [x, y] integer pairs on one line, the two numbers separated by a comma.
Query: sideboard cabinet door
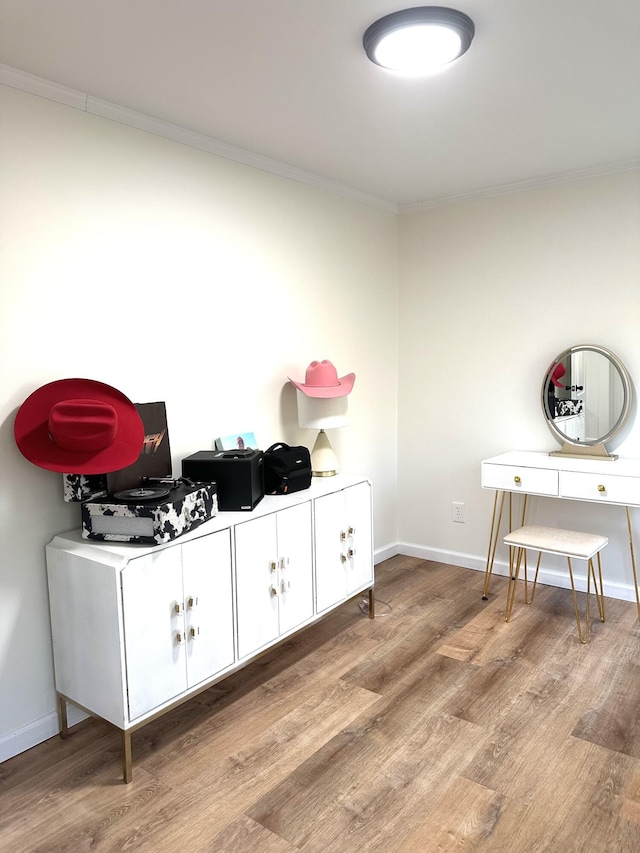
[[178, 619], [208, 605], [295, 567], [274, 575], [343, 544], [153, 609]]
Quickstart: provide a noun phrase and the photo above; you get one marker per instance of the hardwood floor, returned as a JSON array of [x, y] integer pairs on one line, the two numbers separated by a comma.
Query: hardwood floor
[[437, 727]]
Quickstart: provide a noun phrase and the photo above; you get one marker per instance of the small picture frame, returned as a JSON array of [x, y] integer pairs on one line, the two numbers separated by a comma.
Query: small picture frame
[[237, 441]]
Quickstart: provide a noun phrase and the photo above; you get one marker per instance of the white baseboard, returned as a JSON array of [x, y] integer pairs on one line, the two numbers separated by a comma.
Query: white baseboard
[[455, 558], [382, 554], [549, 577], [36, 732]]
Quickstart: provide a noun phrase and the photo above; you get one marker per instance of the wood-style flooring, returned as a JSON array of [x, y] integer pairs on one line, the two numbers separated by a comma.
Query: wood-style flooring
[[436, 727]]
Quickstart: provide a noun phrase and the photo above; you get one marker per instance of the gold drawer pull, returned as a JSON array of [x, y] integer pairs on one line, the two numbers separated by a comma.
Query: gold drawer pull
[[517, 480], [602, 488]]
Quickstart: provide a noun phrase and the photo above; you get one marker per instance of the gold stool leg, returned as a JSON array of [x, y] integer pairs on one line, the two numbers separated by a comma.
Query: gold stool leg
[[599, 595], [575, 603], [513, 579], [633, 560], [535, 580]]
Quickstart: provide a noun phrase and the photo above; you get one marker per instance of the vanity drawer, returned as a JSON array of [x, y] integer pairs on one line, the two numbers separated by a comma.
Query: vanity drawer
[[516, 478], [607, 488]]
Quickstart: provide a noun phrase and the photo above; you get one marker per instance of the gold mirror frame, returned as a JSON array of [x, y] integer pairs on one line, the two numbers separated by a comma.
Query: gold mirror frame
[[592, 448]]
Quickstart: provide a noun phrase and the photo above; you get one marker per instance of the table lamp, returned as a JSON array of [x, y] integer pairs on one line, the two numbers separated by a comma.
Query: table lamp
[[322, 405]]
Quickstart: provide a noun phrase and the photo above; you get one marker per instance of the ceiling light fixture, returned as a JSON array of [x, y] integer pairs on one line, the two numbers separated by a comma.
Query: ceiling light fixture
[[419, 40]]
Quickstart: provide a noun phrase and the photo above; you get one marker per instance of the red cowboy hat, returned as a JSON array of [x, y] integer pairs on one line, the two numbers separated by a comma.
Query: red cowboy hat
[[321, 380], [557, 373], [78, 426]]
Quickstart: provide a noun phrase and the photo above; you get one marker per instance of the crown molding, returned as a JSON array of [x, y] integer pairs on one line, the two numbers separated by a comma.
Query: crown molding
[[522, 186], [17, 79], [43, 88]]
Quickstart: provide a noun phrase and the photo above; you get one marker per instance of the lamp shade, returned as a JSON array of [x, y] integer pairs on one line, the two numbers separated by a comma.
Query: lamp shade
[[321, 412]]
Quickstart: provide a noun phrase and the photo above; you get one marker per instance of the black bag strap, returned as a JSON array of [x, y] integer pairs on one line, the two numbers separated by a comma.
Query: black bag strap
[[277, 446]]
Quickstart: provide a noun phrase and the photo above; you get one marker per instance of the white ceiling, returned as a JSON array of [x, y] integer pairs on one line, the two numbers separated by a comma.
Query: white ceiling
[[549, 88]]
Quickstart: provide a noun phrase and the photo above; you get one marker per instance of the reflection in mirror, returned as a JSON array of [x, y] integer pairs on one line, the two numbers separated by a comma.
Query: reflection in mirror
[[586, 397]]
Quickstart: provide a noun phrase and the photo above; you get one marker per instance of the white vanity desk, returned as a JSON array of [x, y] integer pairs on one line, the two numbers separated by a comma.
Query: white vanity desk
[[604, 481]]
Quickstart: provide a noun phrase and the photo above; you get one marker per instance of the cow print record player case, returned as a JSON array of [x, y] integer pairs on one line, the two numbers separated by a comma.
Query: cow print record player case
[[143, 504]]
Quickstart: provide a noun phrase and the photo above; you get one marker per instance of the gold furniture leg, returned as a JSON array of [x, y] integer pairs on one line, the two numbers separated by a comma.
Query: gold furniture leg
[[591, 573], [62, 716], [633, 560], [520, 559], [493, 544], [599, 596], [575, 602], [495, 534], [528, 600], [127, 771], [515, 556]]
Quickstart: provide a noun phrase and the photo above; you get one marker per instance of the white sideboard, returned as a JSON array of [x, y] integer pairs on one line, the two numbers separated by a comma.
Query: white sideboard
[[533, 473], [139, 629]]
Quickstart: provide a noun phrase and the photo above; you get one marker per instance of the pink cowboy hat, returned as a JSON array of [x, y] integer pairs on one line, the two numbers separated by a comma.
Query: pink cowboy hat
[[321, 380]]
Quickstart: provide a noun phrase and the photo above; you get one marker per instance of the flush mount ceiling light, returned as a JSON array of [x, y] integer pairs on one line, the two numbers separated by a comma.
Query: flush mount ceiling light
[[419, 40]]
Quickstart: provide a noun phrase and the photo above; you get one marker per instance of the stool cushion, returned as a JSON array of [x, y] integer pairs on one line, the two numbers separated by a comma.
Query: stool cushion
[[554, 540]]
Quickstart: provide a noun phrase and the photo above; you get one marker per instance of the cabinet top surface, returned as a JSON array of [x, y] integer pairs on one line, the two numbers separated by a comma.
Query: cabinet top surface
[[119, 553], [536, 459]]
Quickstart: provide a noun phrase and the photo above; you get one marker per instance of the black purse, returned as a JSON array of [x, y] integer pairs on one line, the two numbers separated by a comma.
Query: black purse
[[286, 469]]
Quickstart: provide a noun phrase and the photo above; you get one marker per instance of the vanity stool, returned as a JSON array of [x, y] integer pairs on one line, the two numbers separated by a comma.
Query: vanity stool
[[566, 543]]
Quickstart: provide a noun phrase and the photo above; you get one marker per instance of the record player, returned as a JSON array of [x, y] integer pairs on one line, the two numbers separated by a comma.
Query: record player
[[155, 512], [142, 503]]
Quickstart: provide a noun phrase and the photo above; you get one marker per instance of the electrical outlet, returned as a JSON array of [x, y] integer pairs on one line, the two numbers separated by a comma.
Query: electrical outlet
[[457, 511]]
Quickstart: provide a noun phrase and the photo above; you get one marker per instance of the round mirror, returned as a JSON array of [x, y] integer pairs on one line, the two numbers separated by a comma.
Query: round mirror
[[586, 398]]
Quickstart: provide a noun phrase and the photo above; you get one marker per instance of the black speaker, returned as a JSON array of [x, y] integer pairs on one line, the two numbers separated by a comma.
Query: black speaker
[[237, 474]]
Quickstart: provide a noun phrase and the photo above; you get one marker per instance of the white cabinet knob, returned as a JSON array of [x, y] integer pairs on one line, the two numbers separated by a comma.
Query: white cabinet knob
[[274, 591], [178, 607], [192, 602], [194, 632], [179, 638]]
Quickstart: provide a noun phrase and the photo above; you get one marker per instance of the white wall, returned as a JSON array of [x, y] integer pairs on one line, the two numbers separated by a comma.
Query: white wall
[[448, 317], [173, 275], [490, 291]]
